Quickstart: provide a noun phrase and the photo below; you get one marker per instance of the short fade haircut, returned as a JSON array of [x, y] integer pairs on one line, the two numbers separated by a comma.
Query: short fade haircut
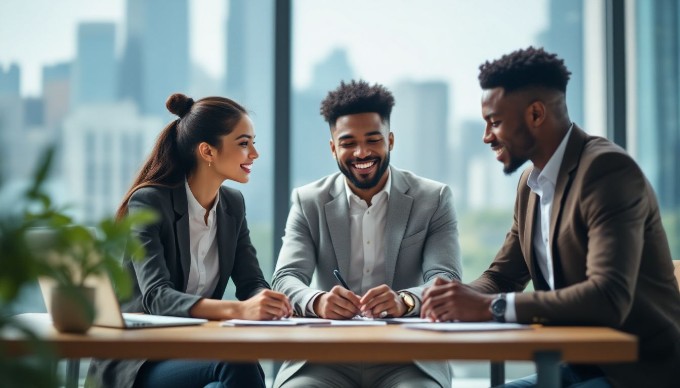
[[357, 97], [532, 67]]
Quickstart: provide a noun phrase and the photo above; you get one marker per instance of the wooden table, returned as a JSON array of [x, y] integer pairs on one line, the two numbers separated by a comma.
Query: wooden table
[[547, 346]]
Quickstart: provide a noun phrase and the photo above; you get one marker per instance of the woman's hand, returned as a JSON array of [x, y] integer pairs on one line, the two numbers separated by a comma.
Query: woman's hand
[[267, 305]]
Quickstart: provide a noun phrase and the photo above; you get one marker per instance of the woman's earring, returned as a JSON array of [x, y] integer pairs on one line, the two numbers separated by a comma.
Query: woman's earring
[[209, 164]]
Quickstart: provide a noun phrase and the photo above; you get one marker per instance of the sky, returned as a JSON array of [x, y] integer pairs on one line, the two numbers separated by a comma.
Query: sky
[[408, 40]]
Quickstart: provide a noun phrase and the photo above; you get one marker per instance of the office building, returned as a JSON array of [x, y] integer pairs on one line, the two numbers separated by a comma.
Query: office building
[[106, 146], [564, 36], [94, 70], [420, 125], [56, 86], [155, 60]]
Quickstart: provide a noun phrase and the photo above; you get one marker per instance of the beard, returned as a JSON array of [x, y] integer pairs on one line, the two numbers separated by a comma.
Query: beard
[[366, 183], [525, 143], [514, 164]]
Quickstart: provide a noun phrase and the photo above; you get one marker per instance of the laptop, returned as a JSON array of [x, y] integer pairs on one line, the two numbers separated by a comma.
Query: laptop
[[107, 308]]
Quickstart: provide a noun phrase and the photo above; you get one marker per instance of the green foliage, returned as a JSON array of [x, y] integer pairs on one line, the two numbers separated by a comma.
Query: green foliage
[[68, 253]]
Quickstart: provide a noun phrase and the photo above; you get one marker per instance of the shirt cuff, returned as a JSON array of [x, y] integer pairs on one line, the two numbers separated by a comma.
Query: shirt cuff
[[309, 309], [510, 312]]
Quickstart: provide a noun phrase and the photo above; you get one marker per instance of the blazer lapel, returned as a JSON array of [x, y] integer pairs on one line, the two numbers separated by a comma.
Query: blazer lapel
[[337, 222], [179, 200], [572, 155], [398, 211], [226, 230], [529, 233]]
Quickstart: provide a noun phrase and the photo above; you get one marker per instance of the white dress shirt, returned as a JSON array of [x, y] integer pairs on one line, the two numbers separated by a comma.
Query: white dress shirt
[[542, 182], [367, 236], [204, 269]]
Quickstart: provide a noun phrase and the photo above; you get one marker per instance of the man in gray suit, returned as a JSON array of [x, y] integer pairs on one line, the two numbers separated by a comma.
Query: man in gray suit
[[388, 232]]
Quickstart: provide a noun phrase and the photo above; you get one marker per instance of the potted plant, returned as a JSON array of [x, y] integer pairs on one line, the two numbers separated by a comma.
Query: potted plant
[[69, 254]]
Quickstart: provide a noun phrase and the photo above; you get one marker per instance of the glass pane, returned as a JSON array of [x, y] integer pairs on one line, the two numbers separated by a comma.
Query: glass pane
[[428, 53], [653, 99]]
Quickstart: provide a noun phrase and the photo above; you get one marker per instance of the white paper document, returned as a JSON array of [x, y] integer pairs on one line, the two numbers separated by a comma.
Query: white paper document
[[467, 326], [301, 321], [279, 322]]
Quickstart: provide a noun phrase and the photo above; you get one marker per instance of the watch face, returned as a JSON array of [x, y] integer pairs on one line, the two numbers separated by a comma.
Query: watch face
[[408, 299], [498, 307]]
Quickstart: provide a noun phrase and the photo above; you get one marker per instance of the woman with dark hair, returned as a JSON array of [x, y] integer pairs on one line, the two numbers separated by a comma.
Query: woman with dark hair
[[200, 240]]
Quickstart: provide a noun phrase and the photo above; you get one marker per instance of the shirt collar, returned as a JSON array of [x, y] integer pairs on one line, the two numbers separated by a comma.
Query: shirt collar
[[194, 206], [386, 189], [552, 168]]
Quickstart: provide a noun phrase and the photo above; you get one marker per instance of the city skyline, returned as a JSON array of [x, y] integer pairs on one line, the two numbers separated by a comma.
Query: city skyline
[[318, 30]]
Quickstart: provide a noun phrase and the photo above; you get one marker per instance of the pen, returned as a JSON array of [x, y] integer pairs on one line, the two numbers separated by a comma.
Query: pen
[[337, 275]]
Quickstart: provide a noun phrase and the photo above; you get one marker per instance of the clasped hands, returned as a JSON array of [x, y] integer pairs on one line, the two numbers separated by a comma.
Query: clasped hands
[[451, 300], [341, 303]]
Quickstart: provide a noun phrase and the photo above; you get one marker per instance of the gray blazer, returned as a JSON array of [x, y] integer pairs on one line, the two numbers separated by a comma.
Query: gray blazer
[[421, 236], [161, 278]]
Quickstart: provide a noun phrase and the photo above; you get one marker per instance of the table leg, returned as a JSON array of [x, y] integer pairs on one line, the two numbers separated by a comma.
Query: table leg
[[548, 369], [72, 372], [497, 373]]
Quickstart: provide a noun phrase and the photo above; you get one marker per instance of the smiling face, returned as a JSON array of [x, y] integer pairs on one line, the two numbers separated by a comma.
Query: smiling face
[[361, 144], [234, 159], [507, 130]]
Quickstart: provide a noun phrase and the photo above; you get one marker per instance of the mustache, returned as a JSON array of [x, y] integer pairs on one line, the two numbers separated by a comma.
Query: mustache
[[361, 160]]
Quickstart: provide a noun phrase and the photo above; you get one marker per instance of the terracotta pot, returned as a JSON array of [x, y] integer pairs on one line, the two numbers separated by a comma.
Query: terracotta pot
[[72, 309]]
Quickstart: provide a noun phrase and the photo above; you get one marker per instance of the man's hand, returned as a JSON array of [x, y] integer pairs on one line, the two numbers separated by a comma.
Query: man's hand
[[453, 300], [382, 299], [266, 305], [339, 303]]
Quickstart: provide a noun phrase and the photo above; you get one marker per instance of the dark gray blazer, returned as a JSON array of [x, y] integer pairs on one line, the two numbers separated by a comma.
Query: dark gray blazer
[[161, 278]]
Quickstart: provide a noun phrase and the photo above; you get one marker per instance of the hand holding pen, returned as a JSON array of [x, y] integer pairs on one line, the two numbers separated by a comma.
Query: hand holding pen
[[339, 303]]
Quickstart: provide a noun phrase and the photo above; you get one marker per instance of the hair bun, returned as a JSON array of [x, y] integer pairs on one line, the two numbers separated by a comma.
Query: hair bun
[[179, 104]]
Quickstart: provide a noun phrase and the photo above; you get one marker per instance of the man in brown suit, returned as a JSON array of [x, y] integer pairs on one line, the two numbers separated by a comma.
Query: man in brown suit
[[586, 231]]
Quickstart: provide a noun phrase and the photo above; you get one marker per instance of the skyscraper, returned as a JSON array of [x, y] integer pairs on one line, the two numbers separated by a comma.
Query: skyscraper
[[56, 86], [94, 75], [10, 80], [311, 152], [11, 121], [106, 146], [420, 125], [155, 59], [250, 81], [564, 36]]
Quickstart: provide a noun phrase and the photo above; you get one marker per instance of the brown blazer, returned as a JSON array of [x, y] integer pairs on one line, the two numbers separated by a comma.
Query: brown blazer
[[610, 255]]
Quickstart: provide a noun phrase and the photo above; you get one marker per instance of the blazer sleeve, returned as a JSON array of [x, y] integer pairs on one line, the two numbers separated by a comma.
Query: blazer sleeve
[[247, 274], [297, 261], [441, 256], [613, 204], [159, 293]]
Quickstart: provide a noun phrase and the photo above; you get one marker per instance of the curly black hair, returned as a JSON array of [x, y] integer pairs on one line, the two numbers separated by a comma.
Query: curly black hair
[[525, 68], [357, 97]]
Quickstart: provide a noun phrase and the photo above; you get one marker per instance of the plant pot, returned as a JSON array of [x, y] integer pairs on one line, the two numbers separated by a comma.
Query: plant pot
[[72, 309]]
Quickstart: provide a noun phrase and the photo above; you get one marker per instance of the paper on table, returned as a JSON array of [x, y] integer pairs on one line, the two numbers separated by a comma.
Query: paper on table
[[295, 321], [404, 320], [357, 322], [246, 322], [467, 326]]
